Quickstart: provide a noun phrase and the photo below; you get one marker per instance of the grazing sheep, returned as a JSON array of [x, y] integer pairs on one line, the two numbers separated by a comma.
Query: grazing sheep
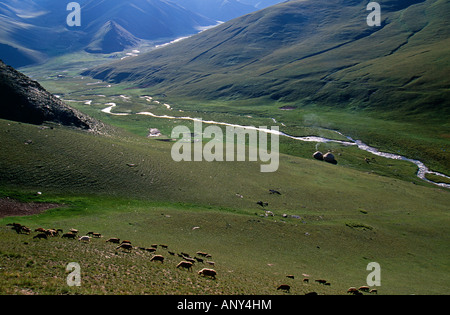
[[212, 263], [125, 246], [262, 204], [208, 272], [189, 259], [25, 230], [41, 235], [114, 240], [69, 235], [14, 224], [51, 232], [94, 234], [198, 259], [311, 293], [171, 253], [374, 291], [154, 245], [151, 249], [42, 230], [202, 254], [284, 287], [157, 258], [185, 254], [321, 281], [164, 246], [85, 238], [185, 265], [290, 276], [364, 288], [274, 192], [73, 231], [305, 280], [352, 290]]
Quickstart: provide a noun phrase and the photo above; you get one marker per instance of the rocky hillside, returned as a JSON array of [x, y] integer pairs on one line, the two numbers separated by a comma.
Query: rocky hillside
[[25, 100]]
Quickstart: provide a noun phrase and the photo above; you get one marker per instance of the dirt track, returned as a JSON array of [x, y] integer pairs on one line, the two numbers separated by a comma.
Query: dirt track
[[11, 207]]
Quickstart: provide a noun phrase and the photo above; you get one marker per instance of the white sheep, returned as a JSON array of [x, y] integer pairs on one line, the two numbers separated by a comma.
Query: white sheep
[[85, 239]]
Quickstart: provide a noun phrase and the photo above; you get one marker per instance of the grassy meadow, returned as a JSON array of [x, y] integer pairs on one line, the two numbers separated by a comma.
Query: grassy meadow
[[329, 222]]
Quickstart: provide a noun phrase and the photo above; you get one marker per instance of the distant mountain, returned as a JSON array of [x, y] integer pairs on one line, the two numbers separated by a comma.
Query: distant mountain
[[310, 52], [111, 38], [144, 19], [31, 31], [26, 101]]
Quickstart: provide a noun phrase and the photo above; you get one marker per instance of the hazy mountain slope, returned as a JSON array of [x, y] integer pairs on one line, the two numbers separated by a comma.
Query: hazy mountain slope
[[261, 4], [220, 10], [145, 19], [311, 52], [26, 101], [31, 31]]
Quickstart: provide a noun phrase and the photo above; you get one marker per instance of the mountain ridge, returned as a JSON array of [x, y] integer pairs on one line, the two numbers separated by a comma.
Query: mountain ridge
[[307, 52]]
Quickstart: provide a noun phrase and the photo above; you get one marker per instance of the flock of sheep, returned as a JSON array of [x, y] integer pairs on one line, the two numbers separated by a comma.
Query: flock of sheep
[[186, 263], [125, 245], [351, 290]]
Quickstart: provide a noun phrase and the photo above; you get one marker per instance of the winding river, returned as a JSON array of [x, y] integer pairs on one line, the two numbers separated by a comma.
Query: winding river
[[422, 169]]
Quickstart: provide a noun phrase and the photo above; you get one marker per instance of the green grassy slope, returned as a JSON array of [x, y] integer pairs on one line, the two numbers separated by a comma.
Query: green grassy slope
[[308, 52], [348, 219]]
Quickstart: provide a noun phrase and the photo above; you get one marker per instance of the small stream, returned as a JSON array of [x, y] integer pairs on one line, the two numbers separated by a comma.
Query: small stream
[[422, 169]]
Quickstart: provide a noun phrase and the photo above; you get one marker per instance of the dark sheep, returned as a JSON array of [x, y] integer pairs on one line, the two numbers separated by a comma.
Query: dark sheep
[[157, 258], [321, 281], [125, 246], [284, 287], [198, 259], [41, 235], [69, 235], [185, 265]]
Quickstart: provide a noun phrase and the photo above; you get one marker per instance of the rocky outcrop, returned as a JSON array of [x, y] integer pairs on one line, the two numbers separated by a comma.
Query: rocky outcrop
[[25, 100]]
